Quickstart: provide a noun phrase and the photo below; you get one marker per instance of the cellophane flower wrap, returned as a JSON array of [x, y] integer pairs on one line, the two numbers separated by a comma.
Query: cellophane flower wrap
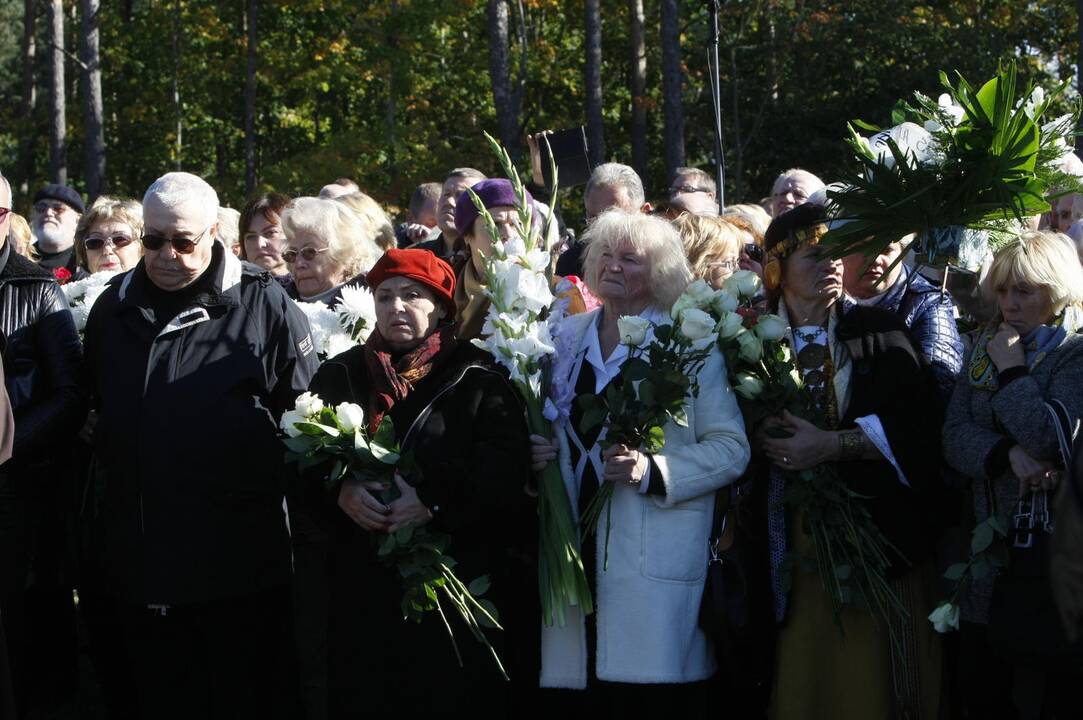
[[852, 554], [656, 382], [317, 436], [349, 323], [522, 310], [82, 294]]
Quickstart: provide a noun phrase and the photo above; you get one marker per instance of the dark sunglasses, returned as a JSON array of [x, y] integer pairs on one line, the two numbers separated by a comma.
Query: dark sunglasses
[[97, 243], [182, 245], [57, 207], [4, 212], [754, 252], [307, 253]]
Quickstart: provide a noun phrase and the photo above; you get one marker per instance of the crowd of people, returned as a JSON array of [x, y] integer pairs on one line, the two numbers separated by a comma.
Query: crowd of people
[[143, 464]]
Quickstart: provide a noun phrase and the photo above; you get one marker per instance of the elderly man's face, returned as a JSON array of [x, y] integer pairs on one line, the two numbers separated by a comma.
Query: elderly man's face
[[449, 198], [793, 191], [1066, 210], [168, 269], [53, 224], [607, 197], [695, 204]]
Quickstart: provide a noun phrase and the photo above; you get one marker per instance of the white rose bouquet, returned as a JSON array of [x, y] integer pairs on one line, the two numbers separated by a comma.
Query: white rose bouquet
[[318, 436]]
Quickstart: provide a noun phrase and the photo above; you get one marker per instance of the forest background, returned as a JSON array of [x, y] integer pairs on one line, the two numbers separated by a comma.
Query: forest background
[[288, 95]]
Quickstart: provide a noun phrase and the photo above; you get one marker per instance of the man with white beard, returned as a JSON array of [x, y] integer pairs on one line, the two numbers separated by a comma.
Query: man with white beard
[[57, 209]]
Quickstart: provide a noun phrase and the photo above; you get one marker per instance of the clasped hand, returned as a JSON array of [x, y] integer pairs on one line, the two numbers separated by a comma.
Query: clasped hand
[[357, 499], [806, 445], [622, 464], [1006, 348]]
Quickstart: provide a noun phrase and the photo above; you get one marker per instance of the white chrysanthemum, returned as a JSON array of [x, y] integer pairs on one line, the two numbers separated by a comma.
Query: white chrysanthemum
[[357, 311], [324, 324]]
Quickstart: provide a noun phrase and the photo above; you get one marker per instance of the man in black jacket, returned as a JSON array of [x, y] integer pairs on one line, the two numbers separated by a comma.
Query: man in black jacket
[[41, 367], [191, 357]]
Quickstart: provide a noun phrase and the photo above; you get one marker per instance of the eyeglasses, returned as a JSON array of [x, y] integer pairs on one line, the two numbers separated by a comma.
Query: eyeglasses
[[58, 208], [182, 245], [687, 189], [754, 252], [724, 264], [97, 243], [307, 253]]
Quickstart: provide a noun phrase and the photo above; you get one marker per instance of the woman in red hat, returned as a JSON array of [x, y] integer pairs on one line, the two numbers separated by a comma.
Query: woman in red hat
[[463, 423]]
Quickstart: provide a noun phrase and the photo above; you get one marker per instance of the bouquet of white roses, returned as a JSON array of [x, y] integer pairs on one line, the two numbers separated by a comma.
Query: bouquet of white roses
[[82, 294], [521, 312], [317, 436], [349, 323]]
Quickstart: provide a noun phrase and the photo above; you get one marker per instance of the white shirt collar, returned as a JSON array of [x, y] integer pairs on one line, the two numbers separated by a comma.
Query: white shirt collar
[[605, 369]]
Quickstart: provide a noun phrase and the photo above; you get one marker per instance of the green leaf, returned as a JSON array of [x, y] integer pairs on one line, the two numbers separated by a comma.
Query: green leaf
[[955, 572], [489, 608], [479, 586], [385, 435], [655, 440], [981, 538], [635, 369]]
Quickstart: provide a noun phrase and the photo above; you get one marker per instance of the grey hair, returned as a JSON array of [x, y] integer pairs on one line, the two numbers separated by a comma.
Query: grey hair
[[229, 230], [703, 179], [615, 174], [466, 172], [175, 189], [793, 172], [350, 246], [6, 187], [655, 236]]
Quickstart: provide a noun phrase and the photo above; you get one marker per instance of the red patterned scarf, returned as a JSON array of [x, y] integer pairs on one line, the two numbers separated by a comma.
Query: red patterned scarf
[[393, 378]]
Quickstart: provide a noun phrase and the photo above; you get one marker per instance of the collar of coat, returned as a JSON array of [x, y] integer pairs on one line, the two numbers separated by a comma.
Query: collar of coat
[[14, 267], [227, 276]]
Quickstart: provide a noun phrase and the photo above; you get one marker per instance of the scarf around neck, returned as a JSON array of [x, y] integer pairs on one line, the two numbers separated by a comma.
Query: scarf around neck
[[394, 377], [1038, 343]]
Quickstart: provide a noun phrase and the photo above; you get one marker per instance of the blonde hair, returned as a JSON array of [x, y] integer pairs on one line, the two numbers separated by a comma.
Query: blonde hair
[[705, 238], [654, 236], [756, 217], [1046, 260], [104, 209], [348, 243], [229, 231], [19, 235], [375, 221]]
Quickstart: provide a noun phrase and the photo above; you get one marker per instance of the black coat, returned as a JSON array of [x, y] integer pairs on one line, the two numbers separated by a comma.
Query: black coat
[[464, 424], [41, 360], [190, 469]]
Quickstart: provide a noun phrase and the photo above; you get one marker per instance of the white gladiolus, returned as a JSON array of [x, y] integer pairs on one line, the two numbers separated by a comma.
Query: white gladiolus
[[751, 347], [743, 283], [954, 112], [945, 618], [632, 329], [724, 302], [770, 328], [696, 324], [730, 326], [1037, 97], [308, 405], [748, 386], [533, 291], [350, 416], [288, 421]]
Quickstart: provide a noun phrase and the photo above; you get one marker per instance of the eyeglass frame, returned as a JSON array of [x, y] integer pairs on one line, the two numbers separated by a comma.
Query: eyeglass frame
[[688, 190], [300, 253], [187, 248], [57, 206], [110, 240]]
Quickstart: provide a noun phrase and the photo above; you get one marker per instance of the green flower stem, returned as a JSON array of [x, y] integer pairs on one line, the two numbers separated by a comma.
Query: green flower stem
[[450, 634]]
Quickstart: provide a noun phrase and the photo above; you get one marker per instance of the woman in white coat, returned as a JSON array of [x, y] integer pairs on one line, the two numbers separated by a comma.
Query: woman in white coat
[[642, 648]]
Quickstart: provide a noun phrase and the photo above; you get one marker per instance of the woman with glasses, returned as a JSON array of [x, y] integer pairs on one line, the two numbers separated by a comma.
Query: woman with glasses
[[327, 248], [262, 239], [107, 237], [711, 245]]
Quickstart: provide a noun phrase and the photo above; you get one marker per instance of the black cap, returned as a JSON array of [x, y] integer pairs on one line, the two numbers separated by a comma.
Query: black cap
[[64, 194]]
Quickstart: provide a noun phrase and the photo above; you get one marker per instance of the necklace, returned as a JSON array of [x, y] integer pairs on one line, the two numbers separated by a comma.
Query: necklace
[[813, 355]]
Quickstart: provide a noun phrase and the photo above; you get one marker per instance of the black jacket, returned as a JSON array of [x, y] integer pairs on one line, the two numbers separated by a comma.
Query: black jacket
[[41, 360], [464, 424], [190, 469]]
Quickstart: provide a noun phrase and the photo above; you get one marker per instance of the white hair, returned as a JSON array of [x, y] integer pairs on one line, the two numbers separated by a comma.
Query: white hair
[[617, 175], [229, 231], [175, 189], [349, 244]]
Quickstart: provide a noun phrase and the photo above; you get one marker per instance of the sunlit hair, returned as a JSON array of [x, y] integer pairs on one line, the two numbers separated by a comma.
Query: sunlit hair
[[228, 226], [178, 189], [617, 175], [105, 209], [754, 216], [705, 239], [373, 218], [1045, 260], [349, 245], [654, 237], [815, 185]]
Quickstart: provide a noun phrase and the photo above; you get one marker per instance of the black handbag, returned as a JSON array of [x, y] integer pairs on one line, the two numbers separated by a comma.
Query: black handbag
[[1024, 623], [723, 612]]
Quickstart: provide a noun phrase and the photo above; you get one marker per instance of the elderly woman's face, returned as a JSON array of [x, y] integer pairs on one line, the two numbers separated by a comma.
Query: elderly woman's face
[[624, 273], [1024, 306], [811, 275], [314, 270], [480, 243], [719, 267], [264, 242], [864, 279], [407, 312], [111, 246]]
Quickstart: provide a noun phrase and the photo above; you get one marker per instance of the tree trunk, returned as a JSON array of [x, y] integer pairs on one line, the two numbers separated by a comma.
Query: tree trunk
[[251, 19], [94, 145], [391, 110], [29, 98], [507, 116], [672, 86], [178, 110], [58, 167], [1079, 64], [595, 125], [638, 87]]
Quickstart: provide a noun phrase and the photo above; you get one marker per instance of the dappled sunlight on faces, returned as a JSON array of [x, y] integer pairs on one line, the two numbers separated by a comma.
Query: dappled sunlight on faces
[[407, 312], [720, 267], [811, 275], [318, 273], [864, 279], [624, 273], [165, 267]]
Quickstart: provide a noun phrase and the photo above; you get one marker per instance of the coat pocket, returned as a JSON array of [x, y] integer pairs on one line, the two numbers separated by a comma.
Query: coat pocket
[[675, 542]]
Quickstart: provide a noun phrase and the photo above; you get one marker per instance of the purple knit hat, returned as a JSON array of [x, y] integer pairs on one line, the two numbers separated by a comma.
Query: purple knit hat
[[497, 192]]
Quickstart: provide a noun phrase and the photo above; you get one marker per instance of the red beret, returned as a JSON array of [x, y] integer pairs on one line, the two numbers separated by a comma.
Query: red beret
[[420, 265]]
